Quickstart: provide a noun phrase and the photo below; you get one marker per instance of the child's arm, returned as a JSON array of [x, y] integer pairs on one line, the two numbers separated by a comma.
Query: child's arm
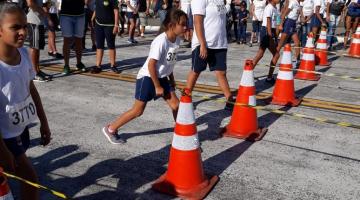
[[130, 6], [268, 26], [317, 13], [153, 75], [283, 15], [6, 158], [44, 127], [116, 20]]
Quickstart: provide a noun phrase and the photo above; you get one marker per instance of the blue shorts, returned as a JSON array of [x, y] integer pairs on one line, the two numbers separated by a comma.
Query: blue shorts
[[256, 26], [315, 22], [18, 145], [289, 27], [265, 38], [216, 60], [145, 89], [131, 15], [72, 26]]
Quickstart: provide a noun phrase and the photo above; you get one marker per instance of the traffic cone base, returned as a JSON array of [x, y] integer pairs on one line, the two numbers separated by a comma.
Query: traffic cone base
[[303, 76], [351, 56], [198, 192], [321, 58], [295, 102], [252, 137]]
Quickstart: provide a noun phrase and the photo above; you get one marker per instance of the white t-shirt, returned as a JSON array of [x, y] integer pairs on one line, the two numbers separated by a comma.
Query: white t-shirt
[[214, 12], [133, 3], [322, 5], [307, 7], [259, 6], [294, 6], [186, 6], [164, 52], [272, 12], [17, 109], [34, 17]]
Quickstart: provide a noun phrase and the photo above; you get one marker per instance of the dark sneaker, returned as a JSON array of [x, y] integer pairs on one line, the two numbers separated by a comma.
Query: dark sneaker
[[81, 67], [58, 56], [114, 138], [116, 70], [271, 81], [250, 45], [95, 70], [129, 41], [230, 102], [134, 41], [40, 78], [48, 76], [66, 70]]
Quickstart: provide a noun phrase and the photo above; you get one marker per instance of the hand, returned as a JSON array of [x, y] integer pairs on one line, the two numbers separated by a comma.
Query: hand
[[164, 6], [328, 18], [147, 12], [280, 27], [115, 30], [203, 52], [159, 91], [7, 161], [45, 135], [93, 23]]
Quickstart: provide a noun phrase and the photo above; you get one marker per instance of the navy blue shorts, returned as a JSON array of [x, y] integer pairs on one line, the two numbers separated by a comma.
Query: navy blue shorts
[[289, 27], [265, 38], [315, 22], [102, 33], [18, 145], [131, 15], [216, 59], [256, 26], [145, 89]]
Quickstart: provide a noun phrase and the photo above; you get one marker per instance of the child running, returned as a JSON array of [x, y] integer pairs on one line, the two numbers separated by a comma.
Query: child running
[[20, 102], [288, 28], [155, 79], [268, 36]]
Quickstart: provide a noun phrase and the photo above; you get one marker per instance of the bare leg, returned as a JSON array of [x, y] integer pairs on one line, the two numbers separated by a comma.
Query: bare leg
[[78, 49], [66, 50], [51, 42], [281, 43], [258, 56], [173, 103], [223, 83], [24, 169], [191, 80], [273, 51], [35, 56], [296, 40], [136, 111], [99, 57], [112, 55]]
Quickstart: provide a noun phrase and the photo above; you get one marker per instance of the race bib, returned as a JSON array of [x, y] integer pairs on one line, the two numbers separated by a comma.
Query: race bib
[[22, 114], [171, 56]]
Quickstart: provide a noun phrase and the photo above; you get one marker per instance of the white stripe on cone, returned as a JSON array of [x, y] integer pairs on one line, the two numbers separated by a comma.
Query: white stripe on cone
[[309, 43], [286, 58], [247, 78], [308, 56], [356, 40], [322, 35], [252, 100], [285, 75], [185, 114], [185, 143], [321, 46]]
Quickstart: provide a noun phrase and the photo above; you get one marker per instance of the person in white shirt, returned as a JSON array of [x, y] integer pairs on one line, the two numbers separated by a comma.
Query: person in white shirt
[[132, 15], [20, 103], [155, 79], [288, 28], [334, 10], [307, 7], [268, 36], [256, 10], [209, 43], [185, 6], [317, 19]]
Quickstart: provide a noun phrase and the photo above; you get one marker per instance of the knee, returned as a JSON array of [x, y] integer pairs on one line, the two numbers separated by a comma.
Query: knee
[[138, 113]]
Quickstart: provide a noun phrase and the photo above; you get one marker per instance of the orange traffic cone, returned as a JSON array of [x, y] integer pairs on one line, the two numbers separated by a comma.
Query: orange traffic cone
[[284, 92], [5, 193], [354, 50], [307, 62], [243, 123], [321, 50], [185, 176]]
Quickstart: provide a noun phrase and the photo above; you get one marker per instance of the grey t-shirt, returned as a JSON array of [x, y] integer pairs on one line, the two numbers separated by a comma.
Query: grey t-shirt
[[35, 17]]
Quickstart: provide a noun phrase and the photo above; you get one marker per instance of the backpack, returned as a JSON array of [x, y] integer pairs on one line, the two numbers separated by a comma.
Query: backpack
[[336, 8]]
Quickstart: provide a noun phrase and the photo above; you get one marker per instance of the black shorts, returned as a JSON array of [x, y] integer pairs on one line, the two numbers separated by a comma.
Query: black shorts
[[216, 59], [36, 36], [55, 20], [256, 26], [18, 145], [145, 89], [265, 38], [102, 33], [131, 15]]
